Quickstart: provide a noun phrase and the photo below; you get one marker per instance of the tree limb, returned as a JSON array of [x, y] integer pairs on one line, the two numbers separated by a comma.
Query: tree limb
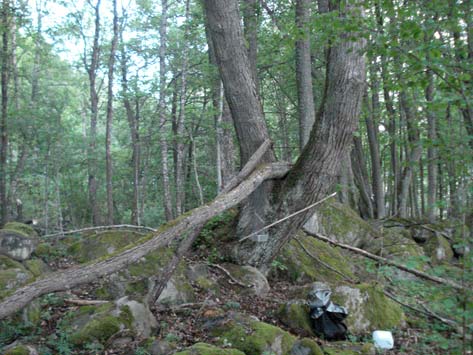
[[76, 276], [118, 226], [366, 254]]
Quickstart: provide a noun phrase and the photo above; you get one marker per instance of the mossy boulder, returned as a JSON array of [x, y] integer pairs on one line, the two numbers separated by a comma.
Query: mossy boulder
[[295, 316], [208, 349], [340, 222], [256, 282], [98, 323], [20, 350], [37, 266], [21, 228], [101, 244], [439, 249], [16, 245], [255, 338], [396, 243], [12, 275], [300, 262], [368, 308]]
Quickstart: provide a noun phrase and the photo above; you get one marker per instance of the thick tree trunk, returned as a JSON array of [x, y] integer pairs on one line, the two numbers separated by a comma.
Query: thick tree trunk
[[109, 121], [305, 96], [250, 22], [330, 139], [92, 68], [225, 31]]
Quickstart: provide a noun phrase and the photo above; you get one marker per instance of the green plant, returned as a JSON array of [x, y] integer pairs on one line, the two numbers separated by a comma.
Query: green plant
[[172, 338], [278, 265]]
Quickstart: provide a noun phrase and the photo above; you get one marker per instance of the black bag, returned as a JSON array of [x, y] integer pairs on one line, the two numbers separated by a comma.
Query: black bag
[[327, 317]]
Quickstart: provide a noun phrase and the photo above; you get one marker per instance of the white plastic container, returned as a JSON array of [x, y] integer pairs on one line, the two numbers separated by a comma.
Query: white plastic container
[[383, 339]]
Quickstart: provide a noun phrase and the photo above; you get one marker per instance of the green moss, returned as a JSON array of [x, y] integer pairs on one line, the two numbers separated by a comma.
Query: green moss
[[21, 228], [99, 329], [368, 349], [152, 263], [204, 283], [439, 249], [45, 251], [254, 338], [12, 275], [36, 266], [207, 349], [312, 345], [303, 268], [382, 312], [18, 350], [296, 317]]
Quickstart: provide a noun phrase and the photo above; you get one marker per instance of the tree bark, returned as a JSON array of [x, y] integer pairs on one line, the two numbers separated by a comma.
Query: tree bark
[[109, 120], [163, 143], [250, 21], [361, 178], [371, 120], [310, 179], [180, 146], [5, 78], [76, 276], [305, 96], [431, 150], [92, 68]]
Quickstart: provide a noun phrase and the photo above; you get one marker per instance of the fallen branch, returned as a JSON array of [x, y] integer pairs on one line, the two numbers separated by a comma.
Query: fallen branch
[[226, 272], [425, 312], [366, 254], [79, 302], [73, 277], [118, 226]]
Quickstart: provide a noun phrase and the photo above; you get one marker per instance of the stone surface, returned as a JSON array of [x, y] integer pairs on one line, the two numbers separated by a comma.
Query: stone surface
[[295, 315], [439, 249], [208, 349], [341, 223], [16, 245], [257, 283], [144, 322], [301, 268], [160, 347], [12, 275]]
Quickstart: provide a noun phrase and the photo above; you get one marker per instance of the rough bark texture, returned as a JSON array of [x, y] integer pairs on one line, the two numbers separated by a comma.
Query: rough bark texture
[[361, 179], [305, 95], [163, 144], [250, 21], [330, 139], [431, 150], [81, 275], [225, 31], [109, 121]]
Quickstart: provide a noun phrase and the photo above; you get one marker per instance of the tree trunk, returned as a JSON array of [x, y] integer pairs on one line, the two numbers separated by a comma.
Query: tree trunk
[[305, 96], [371, 120], [5, 76], [108, 135], [431, 150], [94, 103], [310, 179], [163, 143], [361, 178], [250, 22], [70, 278], [180, 146]]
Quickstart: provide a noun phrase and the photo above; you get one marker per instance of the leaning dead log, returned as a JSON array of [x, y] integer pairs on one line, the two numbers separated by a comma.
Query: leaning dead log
[[385, 261], [191, 236], [76, 276]]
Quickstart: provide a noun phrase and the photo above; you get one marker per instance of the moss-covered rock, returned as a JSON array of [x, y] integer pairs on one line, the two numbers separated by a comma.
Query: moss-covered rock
[[368, 308], [300, 264], [12, 275], [256, 338], [256, 282], [439, 249], [97, 323], [101, 244], [16, 245], [295, 315], [37, 267], [18, 350], [208, 349], [340, 222], [21, 228], [396, 243]]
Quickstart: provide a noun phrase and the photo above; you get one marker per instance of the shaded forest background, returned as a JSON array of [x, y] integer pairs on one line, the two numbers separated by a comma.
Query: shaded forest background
[[115, 113]]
